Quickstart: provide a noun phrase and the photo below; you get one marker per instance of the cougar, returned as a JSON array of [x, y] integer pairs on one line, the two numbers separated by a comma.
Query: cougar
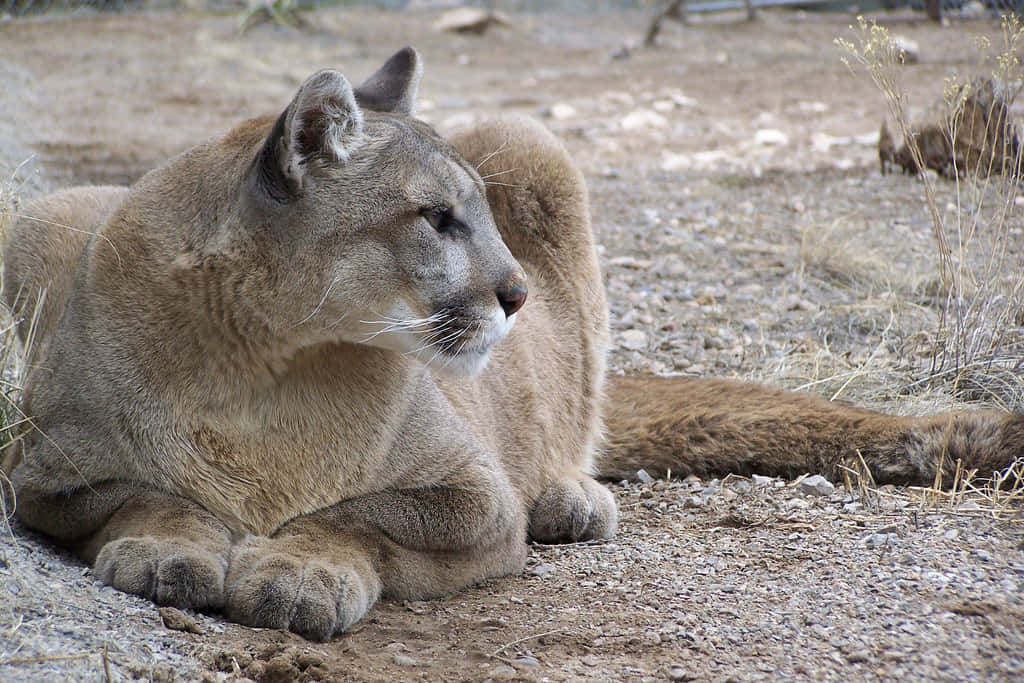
[[319, 360]]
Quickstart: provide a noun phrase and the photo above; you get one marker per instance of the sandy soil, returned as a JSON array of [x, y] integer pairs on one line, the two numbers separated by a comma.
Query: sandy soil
[[745, 231]]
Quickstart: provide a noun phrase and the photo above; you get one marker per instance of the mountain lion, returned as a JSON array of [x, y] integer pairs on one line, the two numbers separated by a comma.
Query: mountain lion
[[319, 361]]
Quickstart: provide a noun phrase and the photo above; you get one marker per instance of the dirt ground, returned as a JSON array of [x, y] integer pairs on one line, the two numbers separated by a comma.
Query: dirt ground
[[745, 232]]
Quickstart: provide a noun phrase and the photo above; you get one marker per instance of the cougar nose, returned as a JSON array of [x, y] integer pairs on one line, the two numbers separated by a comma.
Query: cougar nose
[[511, 298]]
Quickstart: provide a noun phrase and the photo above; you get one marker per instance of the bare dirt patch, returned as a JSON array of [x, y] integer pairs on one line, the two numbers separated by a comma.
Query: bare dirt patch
[[745, 232]]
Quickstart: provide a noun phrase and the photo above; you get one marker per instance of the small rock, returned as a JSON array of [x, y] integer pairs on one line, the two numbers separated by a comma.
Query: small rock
[[879, 540], [678, 673], [741, 486], [527, 661], [643, 477], [623, 52], [812, 107], [590, 660], [562, 111], [760, 480], [504, 671], [176, 620], [853, 507], [652, 638], [816, 485], [769, 137], [543, 571], [643, 118], [404, 660], [634, 340]]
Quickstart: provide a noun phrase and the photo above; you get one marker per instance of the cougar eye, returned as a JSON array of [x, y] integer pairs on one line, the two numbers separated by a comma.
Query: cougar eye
[[440, 217]]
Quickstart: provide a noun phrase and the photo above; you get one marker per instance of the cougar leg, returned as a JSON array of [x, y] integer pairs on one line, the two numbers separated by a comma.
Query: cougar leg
[[320, 573]]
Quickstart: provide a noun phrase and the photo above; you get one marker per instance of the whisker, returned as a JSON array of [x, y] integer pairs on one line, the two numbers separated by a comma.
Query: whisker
[[319, 305], [492, 154], [91, 233], [498, 173], [519, 187]]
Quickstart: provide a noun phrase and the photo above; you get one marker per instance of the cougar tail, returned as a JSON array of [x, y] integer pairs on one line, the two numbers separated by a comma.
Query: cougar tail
[[714, 427]]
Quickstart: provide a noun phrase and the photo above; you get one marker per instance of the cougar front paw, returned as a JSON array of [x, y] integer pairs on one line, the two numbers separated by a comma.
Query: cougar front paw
[[270, 587], [573, 511], [167, 571]]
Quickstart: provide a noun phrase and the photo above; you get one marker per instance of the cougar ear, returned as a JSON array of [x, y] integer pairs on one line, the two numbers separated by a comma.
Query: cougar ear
[[393, 88], [322, 124]]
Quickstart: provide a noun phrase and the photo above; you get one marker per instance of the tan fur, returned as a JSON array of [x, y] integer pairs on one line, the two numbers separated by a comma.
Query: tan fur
[[231, 416]]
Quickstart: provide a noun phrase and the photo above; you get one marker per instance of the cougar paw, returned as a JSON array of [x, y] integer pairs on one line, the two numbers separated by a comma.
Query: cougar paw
[[306, 595], [168, 572], [573, 511]]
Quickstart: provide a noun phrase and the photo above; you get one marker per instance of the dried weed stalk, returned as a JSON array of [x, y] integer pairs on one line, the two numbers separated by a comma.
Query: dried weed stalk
[[978, 351], [12, 366]]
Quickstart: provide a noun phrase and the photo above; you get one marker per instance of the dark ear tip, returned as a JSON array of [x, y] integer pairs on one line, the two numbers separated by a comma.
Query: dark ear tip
[[408, 58]]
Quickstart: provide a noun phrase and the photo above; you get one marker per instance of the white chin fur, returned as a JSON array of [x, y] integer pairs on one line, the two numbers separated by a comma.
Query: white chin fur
[[471, 363], [463, 365], [409, 340]]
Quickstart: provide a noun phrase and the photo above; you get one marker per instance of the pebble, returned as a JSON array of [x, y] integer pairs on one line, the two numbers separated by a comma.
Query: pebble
[[404, 660], [761, 480], [504, 671], [543, 571], [769, 137], [879, 540], [816, 485], [562, 111], [177, 620], [643, 477], [741, 486], [590, 660], [640, 119], [634, 340], [527, 661], [678, 673]]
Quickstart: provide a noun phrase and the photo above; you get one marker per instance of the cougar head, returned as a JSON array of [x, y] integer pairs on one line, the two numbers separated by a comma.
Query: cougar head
[[379, 230]]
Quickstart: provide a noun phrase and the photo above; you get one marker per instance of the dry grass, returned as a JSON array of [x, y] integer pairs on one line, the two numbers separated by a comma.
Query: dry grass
[[976, 350], [12, 368]]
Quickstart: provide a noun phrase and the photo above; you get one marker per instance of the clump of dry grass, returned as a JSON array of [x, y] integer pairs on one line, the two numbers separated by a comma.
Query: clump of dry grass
[[971, 493], [12, 420], [977, 351], [283, 13]]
